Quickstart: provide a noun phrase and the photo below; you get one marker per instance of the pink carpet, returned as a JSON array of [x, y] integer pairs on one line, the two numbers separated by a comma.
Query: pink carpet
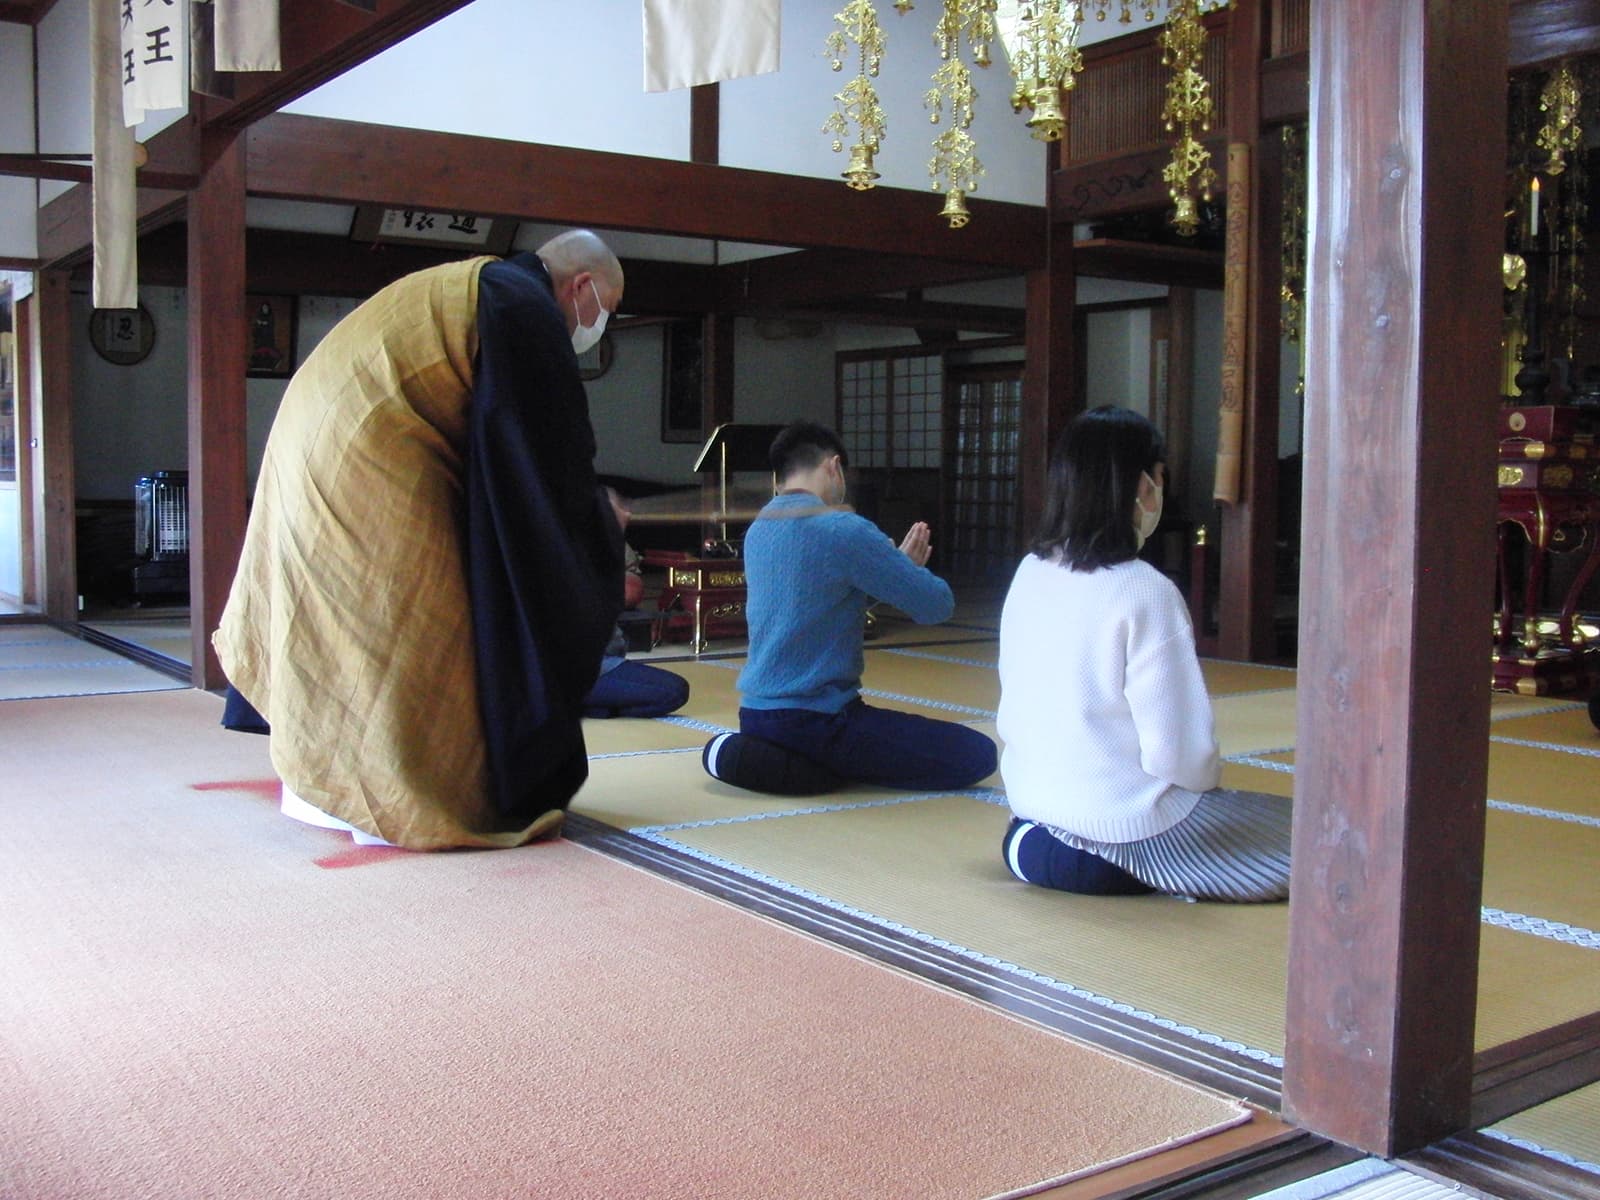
[[193, 1004]]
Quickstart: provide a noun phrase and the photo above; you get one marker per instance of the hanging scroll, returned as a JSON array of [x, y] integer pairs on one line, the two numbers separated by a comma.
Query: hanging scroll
[[1235, 327]]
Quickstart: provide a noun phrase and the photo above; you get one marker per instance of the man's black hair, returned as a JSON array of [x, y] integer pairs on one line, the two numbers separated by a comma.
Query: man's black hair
[[801, 446]]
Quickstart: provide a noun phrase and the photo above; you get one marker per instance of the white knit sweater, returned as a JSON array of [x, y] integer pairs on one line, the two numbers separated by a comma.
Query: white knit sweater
[[1107, 726]]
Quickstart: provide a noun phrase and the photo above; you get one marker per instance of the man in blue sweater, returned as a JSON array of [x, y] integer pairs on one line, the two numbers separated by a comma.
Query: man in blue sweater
[[812, 566]]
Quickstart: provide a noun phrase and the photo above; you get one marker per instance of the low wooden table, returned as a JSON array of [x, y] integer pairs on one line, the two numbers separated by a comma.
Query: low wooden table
[[710, 591]]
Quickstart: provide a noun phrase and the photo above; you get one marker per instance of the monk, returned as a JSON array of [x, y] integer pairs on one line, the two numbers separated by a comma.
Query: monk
[[430, 573]]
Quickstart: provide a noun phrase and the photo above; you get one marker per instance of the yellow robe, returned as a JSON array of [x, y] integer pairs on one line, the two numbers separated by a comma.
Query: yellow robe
[[348, 626]]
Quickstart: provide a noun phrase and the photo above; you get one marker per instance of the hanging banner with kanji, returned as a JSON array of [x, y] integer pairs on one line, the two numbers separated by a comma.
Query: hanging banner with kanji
[[155, 56]]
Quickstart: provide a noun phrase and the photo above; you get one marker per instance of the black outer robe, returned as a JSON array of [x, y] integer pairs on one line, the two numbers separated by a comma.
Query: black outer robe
[[544, 553]]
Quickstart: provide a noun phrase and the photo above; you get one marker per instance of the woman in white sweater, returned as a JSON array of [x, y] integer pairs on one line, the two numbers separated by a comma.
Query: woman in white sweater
[[1110, 762]]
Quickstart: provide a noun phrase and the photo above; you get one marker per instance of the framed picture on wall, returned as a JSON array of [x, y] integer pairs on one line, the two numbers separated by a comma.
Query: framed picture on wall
[[682, 374], [272, 329]]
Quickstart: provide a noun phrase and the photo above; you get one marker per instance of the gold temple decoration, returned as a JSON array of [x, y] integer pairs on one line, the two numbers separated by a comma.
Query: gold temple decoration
[[1188, 105], [1041, 39], [1045, 62], [1561, 133], [1292, 291], [858, 100], [954, 166]]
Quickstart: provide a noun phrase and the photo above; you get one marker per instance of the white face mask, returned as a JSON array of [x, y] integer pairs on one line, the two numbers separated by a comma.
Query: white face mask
[[1148, 518], [585, 336]]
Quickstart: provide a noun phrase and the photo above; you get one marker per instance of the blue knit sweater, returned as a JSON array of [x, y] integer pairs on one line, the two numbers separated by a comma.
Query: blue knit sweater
[[811, 571]]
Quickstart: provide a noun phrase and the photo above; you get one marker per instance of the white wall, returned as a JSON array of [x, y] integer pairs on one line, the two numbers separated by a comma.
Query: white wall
[[563, 74], [1118, 370], [572, 75]]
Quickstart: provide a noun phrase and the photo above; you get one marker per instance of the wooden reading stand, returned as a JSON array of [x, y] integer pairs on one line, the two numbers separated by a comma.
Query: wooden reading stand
[[705, 588]]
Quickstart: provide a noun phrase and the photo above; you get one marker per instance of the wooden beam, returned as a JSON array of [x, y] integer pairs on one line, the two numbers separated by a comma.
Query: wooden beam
[[218, 352], [53, 423], [1149, 262], [310, 158], [1403, 323], [318, 40], [1542, 31], [826, 276], [1123, 183]]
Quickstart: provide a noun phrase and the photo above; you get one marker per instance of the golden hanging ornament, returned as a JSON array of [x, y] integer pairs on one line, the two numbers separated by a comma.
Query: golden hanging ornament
[[954, 167], [1045, 62], [1561, 133], [857, 101], [1188, 107]]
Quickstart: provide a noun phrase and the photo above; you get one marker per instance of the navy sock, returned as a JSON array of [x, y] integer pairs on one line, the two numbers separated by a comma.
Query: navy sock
[[1035, 855], [763, 766]]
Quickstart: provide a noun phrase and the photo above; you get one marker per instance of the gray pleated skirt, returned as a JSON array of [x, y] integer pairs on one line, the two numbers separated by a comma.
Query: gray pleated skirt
[[1232, 846]]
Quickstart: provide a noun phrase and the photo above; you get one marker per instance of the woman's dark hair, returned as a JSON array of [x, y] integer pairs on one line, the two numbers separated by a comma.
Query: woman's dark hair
[[801, 446], [1093, 485]]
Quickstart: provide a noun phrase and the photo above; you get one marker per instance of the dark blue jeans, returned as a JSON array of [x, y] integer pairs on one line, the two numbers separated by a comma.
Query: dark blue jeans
[[878, 745], [633, 689]]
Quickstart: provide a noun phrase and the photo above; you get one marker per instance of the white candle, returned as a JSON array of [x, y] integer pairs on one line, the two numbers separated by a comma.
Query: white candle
[[1533, 208]]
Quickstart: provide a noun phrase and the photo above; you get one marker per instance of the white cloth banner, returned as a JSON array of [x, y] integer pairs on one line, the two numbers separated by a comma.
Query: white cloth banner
[[116, 282], [247, 35], [155, 56], [690, 42]]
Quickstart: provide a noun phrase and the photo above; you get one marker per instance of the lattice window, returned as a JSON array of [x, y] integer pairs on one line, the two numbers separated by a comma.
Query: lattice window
[[891, 410]]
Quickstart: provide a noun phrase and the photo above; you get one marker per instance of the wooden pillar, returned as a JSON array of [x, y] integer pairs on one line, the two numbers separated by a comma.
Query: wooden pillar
[[1403, 296], [1179, 431], [218, 352], [1049, 398], [30, 510], [57, 516], [1249, 526], [705, 123]]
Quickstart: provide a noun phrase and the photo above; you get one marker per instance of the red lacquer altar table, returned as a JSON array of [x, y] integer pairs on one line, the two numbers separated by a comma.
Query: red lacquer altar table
[[708, 593], [1549, 503]]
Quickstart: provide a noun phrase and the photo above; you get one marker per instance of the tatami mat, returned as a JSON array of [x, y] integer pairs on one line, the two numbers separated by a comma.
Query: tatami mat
[[42, 661], [167, 637], [929, 866]]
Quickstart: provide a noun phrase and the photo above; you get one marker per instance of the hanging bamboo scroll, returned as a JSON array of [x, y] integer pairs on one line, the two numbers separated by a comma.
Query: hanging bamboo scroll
[[1235, 327]]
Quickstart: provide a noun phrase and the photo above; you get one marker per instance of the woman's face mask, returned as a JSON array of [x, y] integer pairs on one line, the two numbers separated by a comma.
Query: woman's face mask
[[585, 336], [1146, 519]]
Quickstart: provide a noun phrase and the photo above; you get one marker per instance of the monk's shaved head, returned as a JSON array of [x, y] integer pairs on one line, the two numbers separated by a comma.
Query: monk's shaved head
[[580, 251]]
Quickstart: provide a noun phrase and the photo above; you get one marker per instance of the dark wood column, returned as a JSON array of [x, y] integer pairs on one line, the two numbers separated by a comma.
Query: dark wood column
[[1048, 395], [53, 426], [1249, 527], [1408, 141], [218, 352], [718, 367]]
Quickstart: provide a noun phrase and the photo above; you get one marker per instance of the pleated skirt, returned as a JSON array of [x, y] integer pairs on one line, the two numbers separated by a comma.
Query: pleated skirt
[[1233, 846]]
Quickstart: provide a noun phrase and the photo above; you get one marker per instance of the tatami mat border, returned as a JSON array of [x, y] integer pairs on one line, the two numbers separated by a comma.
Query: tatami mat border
[[1587, 751], [1536, 1148], [1525, 810], [1252, 1075], [944, 658]]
